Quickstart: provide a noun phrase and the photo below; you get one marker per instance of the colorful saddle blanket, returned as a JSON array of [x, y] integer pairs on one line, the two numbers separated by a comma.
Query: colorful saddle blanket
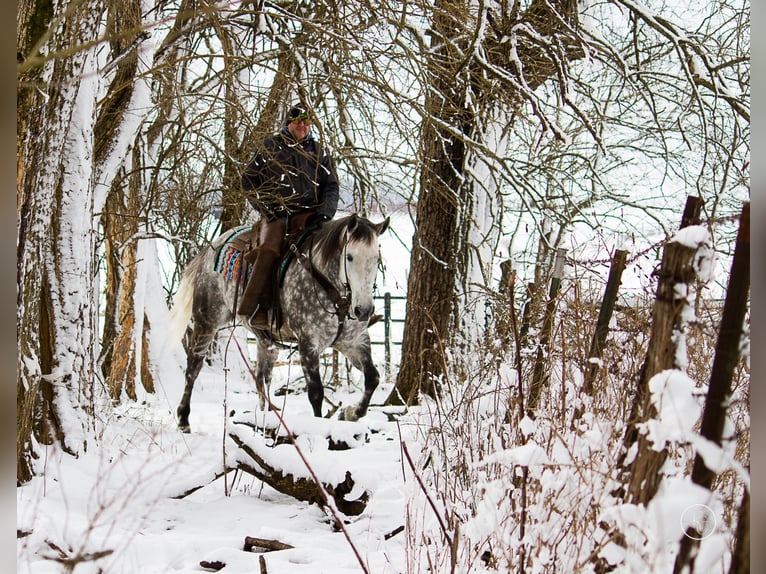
[[230, 258]]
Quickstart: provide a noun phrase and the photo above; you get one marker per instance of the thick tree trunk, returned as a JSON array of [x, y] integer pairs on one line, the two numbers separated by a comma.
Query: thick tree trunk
[[120, 228], [55, 321], [107, 126], [431, 287], [123, 331]]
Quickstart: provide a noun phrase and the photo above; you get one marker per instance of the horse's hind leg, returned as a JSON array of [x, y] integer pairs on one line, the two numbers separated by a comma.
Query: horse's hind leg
[[362, 360], [267, 356], [195, 356]]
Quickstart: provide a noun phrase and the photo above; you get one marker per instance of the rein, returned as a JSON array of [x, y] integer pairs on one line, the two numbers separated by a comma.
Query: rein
[[342, 303]]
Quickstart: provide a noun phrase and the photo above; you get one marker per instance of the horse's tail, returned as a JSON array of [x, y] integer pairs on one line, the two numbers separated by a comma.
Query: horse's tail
[[181, 311]]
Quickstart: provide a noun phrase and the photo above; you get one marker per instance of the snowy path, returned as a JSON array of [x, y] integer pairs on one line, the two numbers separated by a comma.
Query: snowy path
[[116, 500]]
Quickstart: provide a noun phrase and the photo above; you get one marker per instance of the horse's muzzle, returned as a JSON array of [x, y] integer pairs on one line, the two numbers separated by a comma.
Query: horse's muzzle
[[363, 313]]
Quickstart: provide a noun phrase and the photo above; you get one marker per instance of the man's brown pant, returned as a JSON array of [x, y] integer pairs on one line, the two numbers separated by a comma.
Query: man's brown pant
[[259, 292]]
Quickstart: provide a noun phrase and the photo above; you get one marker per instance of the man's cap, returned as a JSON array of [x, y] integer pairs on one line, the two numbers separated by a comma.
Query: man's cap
[[296, 112]]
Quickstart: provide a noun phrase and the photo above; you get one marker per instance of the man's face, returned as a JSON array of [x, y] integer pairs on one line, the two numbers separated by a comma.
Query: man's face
[[299, 127]]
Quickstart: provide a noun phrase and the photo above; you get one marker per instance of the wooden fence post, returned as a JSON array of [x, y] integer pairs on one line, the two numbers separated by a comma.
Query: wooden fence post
[[722, 373], [387, 332], [526, 314], [539, 376], [335, 374], [604, 316], [676, 269]]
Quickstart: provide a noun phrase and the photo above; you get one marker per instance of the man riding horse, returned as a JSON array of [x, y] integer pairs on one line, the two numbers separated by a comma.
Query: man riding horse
[[291, 177]]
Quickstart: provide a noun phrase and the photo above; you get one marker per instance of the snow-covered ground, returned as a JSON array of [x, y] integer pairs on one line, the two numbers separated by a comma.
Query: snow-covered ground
[[118, 499]]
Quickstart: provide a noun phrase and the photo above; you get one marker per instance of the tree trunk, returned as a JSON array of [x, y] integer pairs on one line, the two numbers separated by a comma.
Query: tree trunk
[[430, 297], [121, 226], [719, 391], [107, 127], [123, 330], [31, 219], [604, 317], [56, 240]]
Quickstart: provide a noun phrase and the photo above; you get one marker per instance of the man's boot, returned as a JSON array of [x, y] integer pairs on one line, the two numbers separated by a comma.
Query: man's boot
[[258, 294]]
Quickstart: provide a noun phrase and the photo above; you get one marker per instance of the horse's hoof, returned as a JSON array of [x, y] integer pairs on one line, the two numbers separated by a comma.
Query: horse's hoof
[[184, 428], [348, 414]]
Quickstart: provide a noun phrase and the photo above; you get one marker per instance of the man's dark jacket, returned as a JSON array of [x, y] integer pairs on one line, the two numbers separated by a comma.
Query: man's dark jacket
[[286, 177]]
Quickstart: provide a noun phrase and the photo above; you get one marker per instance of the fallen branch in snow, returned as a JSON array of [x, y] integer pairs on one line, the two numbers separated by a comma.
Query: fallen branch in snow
[[196, 487], [251, 542], [70, 560], [393, 533], [301, 488], [268, 545], [275, 431], [322, 492]]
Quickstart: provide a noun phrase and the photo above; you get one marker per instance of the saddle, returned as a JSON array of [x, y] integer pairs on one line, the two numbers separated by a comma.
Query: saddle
[[244, 243], [297, 233], [236, 256]]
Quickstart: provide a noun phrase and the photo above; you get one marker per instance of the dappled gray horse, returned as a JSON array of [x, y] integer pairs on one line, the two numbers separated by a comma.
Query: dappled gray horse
[[326, 300]]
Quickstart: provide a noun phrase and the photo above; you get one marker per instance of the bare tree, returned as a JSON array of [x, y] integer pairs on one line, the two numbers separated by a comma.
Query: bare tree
[[466, 70], [56, 317]]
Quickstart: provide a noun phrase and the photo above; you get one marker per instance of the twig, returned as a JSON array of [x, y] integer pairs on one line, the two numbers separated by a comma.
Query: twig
[[393, 533], [268, 545], [425, 491]]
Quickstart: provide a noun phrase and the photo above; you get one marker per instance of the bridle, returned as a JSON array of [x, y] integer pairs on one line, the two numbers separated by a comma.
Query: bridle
[[342, 303]]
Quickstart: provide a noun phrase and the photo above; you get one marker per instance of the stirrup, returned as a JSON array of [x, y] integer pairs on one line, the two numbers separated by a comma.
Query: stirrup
[[259, 321]]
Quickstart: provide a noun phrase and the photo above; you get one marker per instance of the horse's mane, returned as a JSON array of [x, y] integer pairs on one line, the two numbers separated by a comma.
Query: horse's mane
[[329, 238]]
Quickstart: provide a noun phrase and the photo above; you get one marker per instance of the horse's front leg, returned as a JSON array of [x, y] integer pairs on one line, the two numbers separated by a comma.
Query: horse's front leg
[[371, 380], [310, 365]]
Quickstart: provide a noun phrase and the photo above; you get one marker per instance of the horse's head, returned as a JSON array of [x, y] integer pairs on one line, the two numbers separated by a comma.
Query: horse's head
[[359, 258]]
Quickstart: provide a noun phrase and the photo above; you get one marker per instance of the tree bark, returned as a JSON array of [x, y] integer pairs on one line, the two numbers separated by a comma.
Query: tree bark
[[719, 391], [431, 287], [604, 316], [108, 124]]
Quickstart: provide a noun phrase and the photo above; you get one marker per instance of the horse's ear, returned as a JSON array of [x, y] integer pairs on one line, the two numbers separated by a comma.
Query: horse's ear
[[382, 226], [353, 221]]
